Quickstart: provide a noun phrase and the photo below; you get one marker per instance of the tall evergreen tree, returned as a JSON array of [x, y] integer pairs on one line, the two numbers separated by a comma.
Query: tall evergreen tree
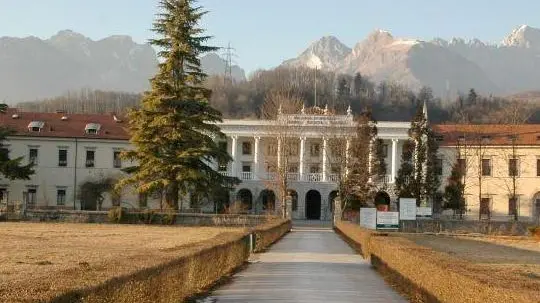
[[11, 169], [174, 131], [453, 192], [404, 184]]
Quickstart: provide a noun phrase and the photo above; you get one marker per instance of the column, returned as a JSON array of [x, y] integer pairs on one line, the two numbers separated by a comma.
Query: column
[[256, 160], [324, 159], [234, 148], [347, 155], [279, 155], [370, 160], [302, 152], [394, 161]]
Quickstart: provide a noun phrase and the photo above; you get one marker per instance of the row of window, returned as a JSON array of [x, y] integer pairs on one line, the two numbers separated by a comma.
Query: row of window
[[486, 167], [90, 158], [485, 207]]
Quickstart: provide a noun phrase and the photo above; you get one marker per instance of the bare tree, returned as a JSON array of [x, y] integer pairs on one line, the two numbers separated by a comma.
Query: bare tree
[[279, 107]]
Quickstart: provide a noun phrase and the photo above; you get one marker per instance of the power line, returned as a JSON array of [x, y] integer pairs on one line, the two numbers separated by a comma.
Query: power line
[[229, 54]]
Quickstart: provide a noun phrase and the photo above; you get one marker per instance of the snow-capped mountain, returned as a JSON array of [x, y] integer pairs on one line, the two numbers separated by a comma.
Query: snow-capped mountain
[[448, 67], [32, 68], [325, 53]]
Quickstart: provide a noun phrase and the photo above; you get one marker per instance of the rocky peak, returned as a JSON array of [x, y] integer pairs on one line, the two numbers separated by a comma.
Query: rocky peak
[[523, 36]]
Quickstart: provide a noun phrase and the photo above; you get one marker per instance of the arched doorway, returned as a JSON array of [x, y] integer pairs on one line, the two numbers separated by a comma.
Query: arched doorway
[[268, 199], [382, 200], [245, 198], [331, 198], [313, 205], [294, 196]]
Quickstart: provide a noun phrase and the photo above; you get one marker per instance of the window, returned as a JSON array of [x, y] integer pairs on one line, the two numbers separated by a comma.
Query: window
[[384, 150], [271, 149], [92, 128], [143, 200], [31, 196], [462, 166], [33, 156], [484, 207], [438, 167], [314, 169], [486, 167], [315, 149], [90, 158], [62, 157], [292, 149], [61, 197], [246, 148], [293, 168], [36, 126], [222, 164], [512, 206], [538, 167], [117, 162], [246, 168], [513, 169]]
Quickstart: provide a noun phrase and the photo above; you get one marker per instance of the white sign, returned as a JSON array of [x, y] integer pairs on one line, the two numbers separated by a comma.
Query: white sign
[[368, 218], [387, 220], [407, 209], [424, 212]]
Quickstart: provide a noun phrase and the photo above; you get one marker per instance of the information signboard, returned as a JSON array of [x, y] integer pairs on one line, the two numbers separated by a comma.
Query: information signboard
[[424, 212], [368, 218], [387, 220], [407, 209]]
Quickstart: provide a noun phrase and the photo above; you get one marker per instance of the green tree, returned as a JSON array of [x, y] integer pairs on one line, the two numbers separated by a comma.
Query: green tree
[[404, 185], [357, 85], [453, 192], [174, 132], [11, 169]]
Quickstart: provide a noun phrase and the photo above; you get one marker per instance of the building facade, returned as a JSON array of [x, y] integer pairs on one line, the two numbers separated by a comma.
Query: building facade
[[69, 150], [501, 169]]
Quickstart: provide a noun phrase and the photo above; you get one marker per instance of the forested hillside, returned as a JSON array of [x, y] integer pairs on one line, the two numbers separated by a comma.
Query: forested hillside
[[388, 101]]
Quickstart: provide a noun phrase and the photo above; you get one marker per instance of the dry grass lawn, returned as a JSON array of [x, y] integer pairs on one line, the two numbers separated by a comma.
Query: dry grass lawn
[[39, 260], [499, 262]]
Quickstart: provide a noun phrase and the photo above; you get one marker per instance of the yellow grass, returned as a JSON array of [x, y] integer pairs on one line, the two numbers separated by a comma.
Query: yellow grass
[[39, 261]]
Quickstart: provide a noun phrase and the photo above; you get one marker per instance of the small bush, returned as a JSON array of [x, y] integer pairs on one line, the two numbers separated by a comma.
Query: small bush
[[147, 216], [169, 218], [534, 230], [117, 215]]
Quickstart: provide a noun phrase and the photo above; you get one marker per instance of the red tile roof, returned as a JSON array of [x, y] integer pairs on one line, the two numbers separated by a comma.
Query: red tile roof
[[73, 127], [488, 134]]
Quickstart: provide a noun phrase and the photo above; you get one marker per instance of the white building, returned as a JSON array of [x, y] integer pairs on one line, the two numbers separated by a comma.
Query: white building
[[69, 149]]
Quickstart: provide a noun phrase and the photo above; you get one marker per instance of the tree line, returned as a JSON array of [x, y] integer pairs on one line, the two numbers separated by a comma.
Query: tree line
[[387, 100]]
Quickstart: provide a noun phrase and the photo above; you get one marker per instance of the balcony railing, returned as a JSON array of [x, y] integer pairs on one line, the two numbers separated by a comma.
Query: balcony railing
[[293, 176], [314, 177], [333, 178], [225, 173], [246, 175]]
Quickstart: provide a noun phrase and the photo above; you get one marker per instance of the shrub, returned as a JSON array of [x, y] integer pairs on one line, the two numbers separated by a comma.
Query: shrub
[[534, 230], [169, 218], [147, 216], [117, 215]]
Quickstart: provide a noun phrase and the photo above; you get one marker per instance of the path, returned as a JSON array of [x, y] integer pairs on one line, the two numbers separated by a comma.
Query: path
[[310, 264]]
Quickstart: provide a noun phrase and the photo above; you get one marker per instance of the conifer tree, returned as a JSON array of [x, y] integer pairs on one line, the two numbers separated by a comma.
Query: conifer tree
[[174, 131], [11, 169], [453, 192], [405, 177]]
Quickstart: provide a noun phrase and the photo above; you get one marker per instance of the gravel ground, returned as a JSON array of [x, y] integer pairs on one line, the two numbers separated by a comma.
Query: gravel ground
[[43, 258], [505, 266]]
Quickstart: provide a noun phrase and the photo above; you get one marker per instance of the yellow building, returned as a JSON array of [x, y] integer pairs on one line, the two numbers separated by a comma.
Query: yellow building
[[501, 165]]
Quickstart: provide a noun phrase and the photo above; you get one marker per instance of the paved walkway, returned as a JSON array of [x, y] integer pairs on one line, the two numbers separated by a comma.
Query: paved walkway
[[308, 265]]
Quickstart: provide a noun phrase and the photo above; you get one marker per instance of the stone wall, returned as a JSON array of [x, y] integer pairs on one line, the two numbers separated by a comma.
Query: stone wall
[[180, 219]]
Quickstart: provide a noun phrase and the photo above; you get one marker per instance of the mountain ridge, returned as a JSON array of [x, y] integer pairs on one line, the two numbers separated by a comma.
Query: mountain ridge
[[34, 68], [447, 66]]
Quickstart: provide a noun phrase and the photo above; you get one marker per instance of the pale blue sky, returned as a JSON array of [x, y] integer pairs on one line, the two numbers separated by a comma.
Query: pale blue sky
[[266, 32]]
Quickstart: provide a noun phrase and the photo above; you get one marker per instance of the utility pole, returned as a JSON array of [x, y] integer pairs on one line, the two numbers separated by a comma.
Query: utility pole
[[229, 53]]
